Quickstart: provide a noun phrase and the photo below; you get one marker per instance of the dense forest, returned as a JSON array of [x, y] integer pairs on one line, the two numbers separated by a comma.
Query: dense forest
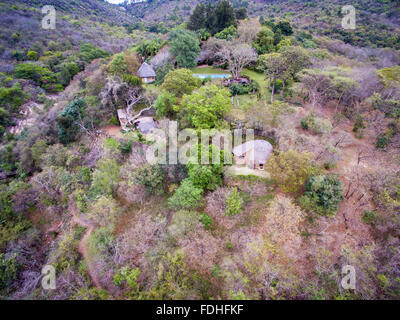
[[82, 105]]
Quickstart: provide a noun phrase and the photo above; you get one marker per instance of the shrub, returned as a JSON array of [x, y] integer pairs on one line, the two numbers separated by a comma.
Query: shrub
[[369, 217], [104, 212], [126, 147], [228, 33], [187, 196], [383, 141], [239, 89], [323, 194], [205, 176], [151, 177], [12, 98], [164, 104], [290, 169], [8, 270], [32, 55], [41, 75], [66, 121], [162, 72], [234, 203], [359, 123], [105, 178], [206, 220], [316, 125], [132, 80], [118, 65], [88, 52]]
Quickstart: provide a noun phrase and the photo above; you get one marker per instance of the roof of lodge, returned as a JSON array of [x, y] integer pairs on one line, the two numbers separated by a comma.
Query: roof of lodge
[[260, 150], [146, 71]]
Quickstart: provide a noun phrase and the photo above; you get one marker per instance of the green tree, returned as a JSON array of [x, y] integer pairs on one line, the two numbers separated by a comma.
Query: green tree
[[105, 178], [8, 270], [323, 194], [12, 98], [164, 104], [187, 196], [264, 42], [205, 108], [205, 176], [66, 121], [197, 20], [162, 72], [118, 64], [290, 169], [149, 48], [223, 16], [180, 82], [285, 27], [184, 47], [32, 55], [151, 177]]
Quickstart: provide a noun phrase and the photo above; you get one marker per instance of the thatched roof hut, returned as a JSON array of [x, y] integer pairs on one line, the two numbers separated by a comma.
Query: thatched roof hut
[[254, 153], [147, 73]]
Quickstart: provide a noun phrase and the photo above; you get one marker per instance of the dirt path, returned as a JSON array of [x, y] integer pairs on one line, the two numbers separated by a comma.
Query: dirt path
[[83, 243]]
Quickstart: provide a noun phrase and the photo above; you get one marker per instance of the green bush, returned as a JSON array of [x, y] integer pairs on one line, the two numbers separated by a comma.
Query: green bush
[[164, 104], [187, 196], [383, 141], [132, 80], [32, 55], [12, 98], [239, 89], [66, 121], [41, 75], [180, 82], [369, 217], [228, 33], [205, 176], [234, 203], [151, 177], [316, 125], [162, 72], [323, 194], [126, 147], [88, 52], [206, 220]]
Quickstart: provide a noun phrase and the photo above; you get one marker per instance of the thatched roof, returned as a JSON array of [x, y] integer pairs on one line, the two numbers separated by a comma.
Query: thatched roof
[[146, 71], [260, 150]]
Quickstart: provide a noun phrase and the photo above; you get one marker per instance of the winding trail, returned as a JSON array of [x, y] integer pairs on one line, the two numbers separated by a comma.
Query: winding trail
[[83, 243]]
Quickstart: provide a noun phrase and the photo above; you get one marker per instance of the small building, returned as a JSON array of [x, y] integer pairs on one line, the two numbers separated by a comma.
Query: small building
[[146, 73], [254, 153]]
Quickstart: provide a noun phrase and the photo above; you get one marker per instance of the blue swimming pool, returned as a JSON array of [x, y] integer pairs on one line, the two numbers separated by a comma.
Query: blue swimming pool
[[212, 76]]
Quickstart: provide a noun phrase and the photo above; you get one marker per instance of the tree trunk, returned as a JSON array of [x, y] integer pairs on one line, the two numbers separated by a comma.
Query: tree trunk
[[273, 91]]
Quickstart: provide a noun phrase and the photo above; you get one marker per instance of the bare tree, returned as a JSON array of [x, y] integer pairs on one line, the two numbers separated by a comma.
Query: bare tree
[[237, 56]]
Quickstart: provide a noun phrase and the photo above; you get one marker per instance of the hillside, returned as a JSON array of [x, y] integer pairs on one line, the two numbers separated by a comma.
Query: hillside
[[318, 17]]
